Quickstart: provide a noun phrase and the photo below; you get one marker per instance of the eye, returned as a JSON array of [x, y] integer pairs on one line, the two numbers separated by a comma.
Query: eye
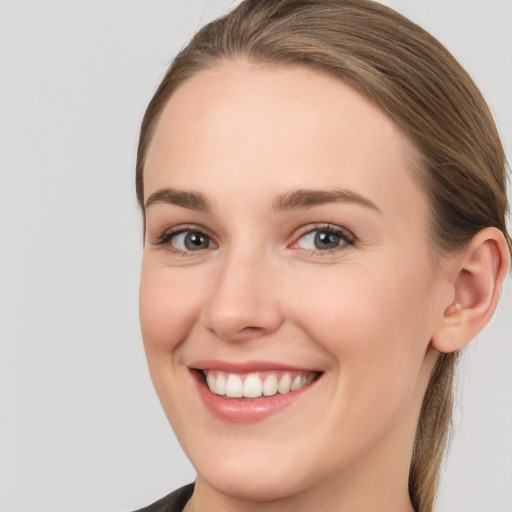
[[184, 240], [324, 239], [190, 241]]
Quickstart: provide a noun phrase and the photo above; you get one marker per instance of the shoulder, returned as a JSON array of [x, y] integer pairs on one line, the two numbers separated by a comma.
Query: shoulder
[[174, 502]]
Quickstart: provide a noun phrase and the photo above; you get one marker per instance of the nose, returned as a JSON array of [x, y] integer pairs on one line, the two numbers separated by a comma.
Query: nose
[[242, 304]]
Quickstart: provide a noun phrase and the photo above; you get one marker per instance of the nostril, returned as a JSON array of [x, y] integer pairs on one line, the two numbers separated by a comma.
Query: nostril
[[251, 330]]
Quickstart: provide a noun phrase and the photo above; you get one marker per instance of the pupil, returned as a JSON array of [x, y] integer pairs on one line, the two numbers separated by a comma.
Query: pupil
[[326, 240], [196, 241]]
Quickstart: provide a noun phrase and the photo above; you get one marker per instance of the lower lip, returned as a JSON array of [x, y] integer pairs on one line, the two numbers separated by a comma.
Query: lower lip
[[243, 410]]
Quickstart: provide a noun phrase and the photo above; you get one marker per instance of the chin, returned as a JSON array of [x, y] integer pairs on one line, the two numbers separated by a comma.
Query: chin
[[255, 470], [256, 483]]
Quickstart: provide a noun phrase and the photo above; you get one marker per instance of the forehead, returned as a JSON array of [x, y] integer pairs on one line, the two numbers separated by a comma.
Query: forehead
[[281, 126]]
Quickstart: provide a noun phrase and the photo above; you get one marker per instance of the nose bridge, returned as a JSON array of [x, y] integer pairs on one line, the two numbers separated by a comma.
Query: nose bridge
[[241, 303]]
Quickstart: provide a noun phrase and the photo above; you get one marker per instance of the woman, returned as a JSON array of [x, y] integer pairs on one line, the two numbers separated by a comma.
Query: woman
[[324, 202]]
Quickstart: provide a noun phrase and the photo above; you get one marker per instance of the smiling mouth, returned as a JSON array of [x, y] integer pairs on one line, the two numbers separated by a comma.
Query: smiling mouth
[[256, 385]]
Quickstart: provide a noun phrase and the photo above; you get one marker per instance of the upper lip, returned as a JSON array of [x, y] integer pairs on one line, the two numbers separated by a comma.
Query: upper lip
[[244, 367]]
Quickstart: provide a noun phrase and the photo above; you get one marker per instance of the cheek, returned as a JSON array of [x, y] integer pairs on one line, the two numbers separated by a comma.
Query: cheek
[[168, 307], [376, 325]]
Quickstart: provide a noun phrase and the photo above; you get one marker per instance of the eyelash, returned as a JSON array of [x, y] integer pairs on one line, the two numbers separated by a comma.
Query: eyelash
[[165, 238], [347, 238]]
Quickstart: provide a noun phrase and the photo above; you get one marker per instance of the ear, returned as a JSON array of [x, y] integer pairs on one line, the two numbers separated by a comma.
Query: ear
[[476, 276]]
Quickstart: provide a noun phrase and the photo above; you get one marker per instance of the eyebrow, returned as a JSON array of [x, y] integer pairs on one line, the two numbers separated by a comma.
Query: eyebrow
[[293, 200], [309, 198], [190, 200]]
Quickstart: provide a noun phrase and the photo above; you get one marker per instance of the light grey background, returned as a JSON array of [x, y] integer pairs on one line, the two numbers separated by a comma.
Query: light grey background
[[81, 428]]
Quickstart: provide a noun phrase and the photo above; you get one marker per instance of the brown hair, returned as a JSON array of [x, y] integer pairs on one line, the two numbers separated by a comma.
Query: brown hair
[[459, 159]]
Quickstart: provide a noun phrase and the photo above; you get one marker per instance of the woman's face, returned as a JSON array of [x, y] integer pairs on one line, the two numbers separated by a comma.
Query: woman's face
[[286, 258]]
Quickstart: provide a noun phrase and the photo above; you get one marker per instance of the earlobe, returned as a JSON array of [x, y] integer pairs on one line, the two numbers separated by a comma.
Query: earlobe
[[479, 271]]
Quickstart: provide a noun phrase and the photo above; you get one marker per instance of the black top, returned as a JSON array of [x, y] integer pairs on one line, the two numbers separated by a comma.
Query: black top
[[174, 502]]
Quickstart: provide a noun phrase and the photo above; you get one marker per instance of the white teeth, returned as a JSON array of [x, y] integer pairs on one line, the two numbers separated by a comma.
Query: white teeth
[[270, 385], [253, 386], [210, 380], [235, 385], [220, 385], [296, 383], [285, 384]]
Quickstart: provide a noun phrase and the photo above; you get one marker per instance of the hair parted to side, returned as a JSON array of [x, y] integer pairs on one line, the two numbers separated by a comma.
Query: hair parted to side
[[458, 156]]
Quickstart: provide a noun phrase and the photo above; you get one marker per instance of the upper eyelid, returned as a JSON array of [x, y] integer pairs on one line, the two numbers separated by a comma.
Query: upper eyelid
[[167, 234], [326, 226]]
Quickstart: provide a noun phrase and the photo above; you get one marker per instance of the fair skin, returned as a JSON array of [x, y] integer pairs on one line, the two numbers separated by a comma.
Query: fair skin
[[244, 274]]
